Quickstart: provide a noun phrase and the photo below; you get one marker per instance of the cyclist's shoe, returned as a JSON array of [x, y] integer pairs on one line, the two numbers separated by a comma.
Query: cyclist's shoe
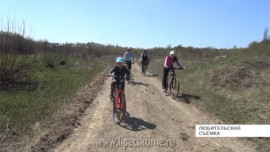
[[111, 96], [164, 90]]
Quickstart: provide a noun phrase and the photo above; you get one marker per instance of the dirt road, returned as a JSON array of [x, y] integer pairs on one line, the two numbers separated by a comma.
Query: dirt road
[[155, 123]]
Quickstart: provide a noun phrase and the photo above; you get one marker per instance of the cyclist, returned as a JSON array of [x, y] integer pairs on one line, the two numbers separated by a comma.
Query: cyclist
[[145, 59], [119, 71], [129, 59], [168, 64]]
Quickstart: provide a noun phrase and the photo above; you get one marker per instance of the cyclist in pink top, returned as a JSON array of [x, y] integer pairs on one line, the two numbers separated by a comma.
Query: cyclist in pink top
[[168, 64]]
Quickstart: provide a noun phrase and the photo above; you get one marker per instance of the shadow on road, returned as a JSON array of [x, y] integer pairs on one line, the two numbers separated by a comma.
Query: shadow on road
[[138, 83], [187, 98], [136, 124]]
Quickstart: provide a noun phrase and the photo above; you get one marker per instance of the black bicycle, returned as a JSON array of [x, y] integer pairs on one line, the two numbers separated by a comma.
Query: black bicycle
[[174, 84], [144, 67]]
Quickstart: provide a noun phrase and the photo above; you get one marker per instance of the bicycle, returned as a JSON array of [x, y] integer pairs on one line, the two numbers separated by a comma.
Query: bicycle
[[119, 100], [174, 85], [131, 75], [144, 67]]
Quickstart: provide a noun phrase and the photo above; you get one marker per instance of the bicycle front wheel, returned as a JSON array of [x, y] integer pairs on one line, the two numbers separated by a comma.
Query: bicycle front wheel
[[144, 69], [174, 87], [119, 109]]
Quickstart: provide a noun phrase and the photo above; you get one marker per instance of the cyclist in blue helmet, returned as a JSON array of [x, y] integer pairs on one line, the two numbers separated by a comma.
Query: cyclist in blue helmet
[[120, 71]]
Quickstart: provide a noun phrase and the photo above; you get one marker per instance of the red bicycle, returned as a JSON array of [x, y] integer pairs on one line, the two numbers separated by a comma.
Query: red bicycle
[[119, 100]]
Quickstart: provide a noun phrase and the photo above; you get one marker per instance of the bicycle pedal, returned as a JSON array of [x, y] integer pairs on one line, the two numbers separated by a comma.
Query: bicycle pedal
[[121, 116]]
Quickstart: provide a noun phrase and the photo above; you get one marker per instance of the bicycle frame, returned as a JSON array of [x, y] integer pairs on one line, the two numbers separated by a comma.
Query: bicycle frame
[[118, 92], [174, 84], [172, 72]]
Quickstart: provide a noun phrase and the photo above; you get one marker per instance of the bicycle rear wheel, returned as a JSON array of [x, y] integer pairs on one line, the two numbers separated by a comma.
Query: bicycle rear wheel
[[119, 109], [174, 87], [144, 69]]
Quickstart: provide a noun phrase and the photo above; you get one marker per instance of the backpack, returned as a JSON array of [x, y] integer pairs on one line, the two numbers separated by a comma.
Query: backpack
[[145, 56]]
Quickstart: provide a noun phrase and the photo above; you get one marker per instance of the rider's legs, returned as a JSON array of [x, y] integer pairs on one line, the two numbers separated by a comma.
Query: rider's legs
[[142, 65], [129, 64], [164, 79], [145, 69], [113, 85], [129, 68]]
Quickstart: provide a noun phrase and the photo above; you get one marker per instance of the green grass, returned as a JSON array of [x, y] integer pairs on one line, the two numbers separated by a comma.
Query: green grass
[[52, 89]]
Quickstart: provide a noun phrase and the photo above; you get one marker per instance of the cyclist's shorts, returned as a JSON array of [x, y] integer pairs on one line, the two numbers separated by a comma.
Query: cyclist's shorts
[[128, 64]]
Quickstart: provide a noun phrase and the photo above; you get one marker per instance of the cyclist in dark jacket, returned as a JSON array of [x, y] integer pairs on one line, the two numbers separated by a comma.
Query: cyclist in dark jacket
[[145, 59], [118, 71]]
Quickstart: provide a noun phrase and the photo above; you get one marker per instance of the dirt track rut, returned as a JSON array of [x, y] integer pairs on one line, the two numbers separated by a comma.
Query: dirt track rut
[[152, 116]]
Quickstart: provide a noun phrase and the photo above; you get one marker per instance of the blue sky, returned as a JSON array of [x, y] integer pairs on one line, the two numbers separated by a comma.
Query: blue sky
[[143, 23]]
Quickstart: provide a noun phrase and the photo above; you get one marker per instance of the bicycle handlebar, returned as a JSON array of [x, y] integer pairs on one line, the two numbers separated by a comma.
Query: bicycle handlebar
[[178, 68]]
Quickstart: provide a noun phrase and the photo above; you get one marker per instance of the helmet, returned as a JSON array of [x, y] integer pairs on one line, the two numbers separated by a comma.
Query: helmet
[[129, 49], [119, 59], [172, 52]]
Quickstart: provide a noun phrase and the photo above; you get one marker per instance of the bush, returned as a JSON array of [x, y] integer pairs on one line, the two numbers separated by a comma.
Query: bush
[[52, 60]]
